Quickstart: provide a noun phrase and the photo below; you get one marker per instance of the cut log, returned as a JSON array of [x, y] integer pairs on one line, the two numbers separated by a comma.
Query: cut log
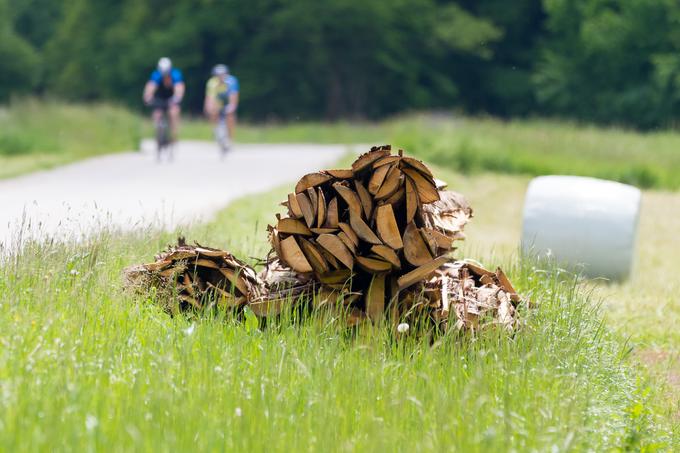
[[411, 201], [397, 198], [416, 251], [337, 248], [236, 280], [294, 209], [321, 209], [350, 197], [306, 208], [351, 235], [375, 298], [427, 190], [386, 161], [292, 226], [311, 180], [366, 160], [420, 273], [313, 200], [362, 230], [351, 246], [332, 217], [340, 174], [443, 241], [314, 256], [365, 198], [333, 263], [388, 254], [387, 227], [390, 185], [335, 277], [378, 178], [323, 230], [206, 263], [211, 253], [292, 255], [373, 265], [158, 266], [429, 241], [268, 307], [418, 165]]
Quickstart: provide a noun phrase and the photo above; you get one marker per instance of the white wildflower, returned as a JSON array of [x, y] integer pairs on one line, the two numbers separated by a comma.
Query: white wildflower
[[403, 327], [91, 422]]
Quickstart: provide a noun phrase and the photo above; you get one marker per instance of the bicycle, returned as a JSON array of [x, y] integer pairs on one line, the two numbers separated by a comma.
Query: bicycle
[[222, 132], [163, 137]]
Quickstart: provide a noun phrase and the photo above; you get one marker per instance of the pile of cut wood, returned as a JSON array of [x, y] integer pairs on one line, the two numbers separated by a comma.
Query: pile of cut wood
[[193, 277], [369, 242]]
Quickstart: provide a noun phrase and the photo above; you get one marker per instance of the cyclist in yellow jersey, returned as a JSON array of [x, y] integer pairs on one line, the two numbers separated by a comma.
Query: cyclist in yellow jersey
[[220, 104]]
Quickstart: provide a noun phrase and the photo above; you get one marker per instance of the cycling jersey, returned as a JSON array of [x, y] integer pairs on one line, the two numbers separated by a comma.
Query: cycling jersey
[[164, 91], [220, 90]]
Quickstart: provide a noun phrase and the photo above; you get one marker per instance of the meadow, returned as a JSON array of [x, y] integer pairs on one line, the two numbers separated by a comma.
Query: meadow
[[85, 365], [42, 134]]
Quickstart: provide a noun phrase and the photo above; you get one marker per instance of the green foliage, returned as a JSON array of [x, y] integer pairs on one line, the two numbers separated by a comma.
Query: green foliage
[[18, 70], [595, 60], [303, 58], [615, 62]]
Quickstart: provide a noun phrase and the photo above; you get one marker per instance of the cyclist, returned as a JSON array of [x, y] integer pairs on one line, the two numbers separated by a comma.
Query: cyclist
[[221, 101], [165, 90]]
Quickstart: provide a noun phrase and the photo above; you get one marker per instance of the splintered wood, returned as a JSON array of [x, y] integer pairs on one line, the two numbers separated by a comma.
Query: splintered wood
[[374, 240], [192, 277]]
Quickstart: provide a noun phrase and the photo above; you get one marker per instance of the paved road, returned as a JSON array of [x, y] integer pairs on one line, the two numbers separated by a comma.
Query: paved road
[[131, 190]]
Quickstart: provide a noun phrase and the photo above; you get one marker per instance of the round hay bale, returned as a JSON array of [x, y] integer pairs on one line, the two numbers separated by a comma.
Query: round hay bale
[[584, 223]]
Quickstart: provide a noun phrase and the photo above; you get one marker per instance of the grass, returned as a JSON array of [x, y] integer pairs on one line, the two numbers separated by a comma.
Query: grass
[[41, 134], [37, 135], [644, 309], [85, 366], [523, 147]]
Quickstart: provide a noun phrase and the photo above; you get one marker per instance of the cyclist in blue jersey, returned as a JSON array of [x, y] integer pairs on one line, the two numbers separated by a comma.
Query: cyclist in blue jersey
[[165, 90], [220, 104]]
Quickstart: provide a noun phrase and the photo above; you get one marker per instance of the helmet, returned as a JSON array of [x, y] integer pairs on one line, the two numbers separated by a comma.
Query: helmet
[[164, 65], [220, 70]]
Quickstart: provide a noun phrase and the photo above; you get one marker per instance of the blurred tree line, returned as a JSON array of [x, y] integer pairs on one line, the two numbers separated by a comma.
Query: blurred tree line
[[608, 61]]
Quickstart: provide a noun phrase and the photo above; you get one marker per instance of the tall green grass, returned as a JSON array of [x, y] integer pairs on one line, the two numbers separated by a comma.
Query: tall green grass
[[525, 147], [41, 134], [86, 366]]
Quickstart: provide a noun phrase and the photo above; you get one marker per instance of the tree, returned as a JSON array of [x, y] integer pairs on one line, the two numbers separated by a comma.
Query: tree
[[20, 64]]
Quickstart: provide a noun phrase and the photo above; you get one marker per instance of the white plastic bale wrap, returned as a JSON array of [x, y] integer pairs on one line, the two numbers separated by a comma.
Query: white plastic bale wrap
[[584, 223]]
